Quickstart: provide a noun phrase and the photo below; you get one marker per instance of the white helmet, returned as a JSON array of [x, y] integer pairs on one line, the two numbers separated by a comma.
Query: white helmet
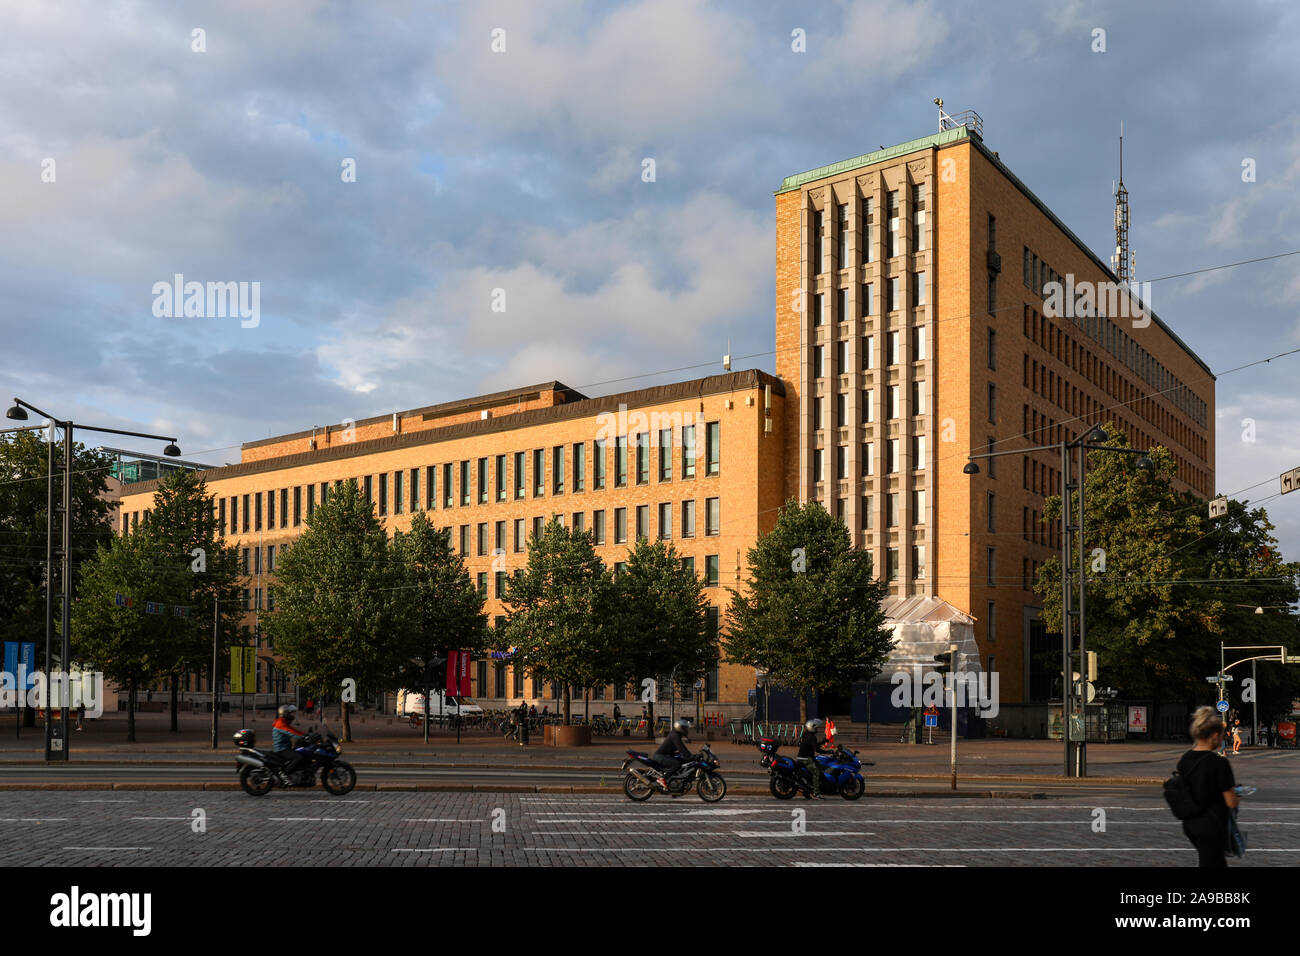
[[288, 710], [815, 724], [681, 726]]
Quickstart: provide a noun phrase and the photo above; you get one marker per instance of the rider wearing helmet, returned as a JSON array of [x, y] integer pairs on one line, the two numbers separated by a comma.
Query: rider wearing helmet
[[809, 745], [283, 736], [672, 753]]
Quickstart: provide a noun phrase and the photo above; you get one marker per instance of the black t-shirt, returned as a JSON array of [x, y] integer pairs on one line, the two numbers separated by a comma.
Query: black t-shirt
[[673, 746], [1208, 783]]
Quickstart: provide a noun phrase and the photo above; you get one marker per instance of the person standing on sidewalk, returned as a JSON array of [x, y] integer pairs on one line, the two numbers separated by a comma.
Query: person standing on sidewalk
[[522, 717], [1210, 781]]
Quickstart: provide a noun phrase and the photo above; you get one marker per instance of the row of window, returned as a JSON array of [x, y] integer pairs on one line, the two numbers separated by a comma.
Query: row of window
[[893, 405], [892, 462], [260, 509], [712, 570], [866, 229], [867, 299], [893, 354], [1113, 339]]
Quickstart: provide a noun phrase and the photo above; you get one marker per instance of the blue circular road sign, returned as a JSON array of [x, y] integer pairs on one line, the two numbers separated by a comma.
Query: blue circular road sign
[[1223, 706]]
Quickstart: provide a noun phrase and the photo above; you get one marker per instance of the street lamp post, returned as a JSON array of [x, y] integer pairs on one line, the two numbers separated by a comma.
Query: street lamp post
[[56, 745], [1076, 752]]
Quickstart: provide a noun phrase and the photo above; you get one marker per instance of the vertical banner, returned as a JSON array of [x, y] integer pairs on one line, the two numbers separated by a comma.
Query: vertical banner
[[458, 683], [243, 670]]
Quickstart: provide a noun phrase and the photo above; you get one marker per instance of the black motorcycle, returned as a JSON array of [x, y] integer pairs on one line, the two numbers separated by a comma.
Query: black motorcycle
[[642, 777], [260, 771]]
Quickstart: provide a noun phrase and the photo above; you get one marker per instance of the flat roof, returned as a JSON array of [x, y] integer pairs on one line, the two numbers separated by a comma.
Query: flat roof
[[952, 137]]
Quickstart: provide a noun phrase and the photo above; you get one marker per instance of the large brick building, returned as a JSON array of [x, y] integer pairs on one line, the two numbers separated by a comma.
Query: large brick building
[[906, 340]]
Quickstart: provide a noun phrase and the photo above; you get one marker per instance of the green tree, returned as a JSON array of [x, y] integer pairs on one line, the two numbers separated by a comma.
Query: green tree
[[442, 609], [810, 614], [338, 615], [131, 647], [560, 615], [1165, 583], [181, 522], [662, 617]]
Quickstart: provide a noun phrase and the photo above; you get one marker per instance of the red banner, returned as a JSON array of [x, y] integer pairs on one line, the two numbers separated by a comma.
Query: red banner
[[458, 673]]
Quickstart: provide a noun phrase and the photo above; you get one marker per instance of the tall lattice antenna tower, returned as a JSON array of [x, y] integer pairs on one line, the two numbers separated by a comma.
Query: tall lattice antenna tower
[[1124, 261]]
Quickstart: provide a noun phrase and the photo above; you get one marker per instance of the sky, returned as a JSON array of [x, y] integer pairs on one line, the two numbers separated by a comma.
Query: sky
[[501, 230]]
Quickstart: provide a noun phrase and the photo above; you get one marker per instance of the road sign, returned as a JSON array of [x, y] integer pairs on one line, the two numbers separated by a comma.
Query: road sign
[[1290, 480], [1218, 507], [932, 720], [1215, 680], [1223, 706]]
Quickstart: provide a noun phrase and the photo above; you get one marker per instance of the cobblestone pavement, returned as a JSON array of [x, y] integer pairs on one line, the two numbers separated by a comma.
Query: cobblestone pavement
[[150, 828]]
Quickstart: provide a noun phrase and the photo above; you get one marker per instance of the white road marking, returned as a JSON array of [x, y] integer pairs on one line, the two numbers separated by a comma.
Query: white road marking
[[160, 818], [438, 820], [440, 849], [95, 848], [33, 819], [765, 834], [310, 819]]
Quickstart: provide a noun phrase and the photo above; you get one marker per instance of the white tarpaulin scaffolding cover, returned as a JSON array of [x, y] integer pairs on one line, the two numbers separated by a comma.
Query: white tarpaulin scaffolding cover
[[924, 627]]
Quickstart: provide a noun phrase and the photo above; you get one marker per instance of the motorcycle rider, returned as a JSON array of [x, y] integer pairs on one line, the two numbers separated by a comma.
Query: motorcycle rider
[[672, 753], [809, 746], [284, 736]]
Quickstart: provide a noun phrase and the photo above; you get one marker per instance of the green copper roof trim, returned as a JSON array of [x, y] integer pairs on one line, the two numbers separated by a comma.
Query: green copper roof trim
[[879, 156]]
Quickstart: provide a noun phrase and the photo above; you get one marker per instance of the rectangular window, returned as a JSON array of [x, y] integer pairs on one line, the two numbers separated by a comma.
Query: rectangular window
[[245, 565], [499, 542], [598, 527], [311, 500], [918, 289], [665, 521], [844, 236], [482, 583], [713, 516], [891, 510], [221, 514], [841, 410], [993, 292], [539, 527], [521, 475], [257, 511], [399, 492], [891, 564], [642, 522], [918, 343], [688, 518], [868, 512], [448, 490], [892, 213], [993, 403], [620, 461], [482, 539], [579, 467], [284, 509], [666, 454], [819, 361], [539, 472], [688, 451], [891, 453], [466, 493], [869, 405], [893, 301], [270, 510], [297, 506], [246, 512], [431, 487], [918, 218], [482, 481], [819, 309], [992, 512], [521, 535], [688, 564], [642, 458], [918, 562], [464, 541], [598, 464], [868, 351], [817, 414], [579, 521], [918, 452], [869, 458], [918, 506], [842, 310], [557, 470], [818, 243], [711, 570], [383, 493], [819, 464], [620, 526], [918, 398], [415, 490], [893, 354], [1029, 281], [868, 227], [992, 462], [893, 396], [713, 447], [993, 349], [868, 299], [501, 478]]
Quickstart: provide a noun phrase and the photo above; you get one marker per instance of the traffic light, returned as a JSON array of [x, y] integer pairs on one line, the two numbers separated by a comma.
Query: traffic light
[[944, 662], [1092, 666]]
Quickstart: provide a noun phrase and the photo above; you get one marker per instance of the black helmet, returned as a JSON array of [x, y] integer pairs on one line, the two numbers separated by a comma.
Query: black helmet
[[681, 726]]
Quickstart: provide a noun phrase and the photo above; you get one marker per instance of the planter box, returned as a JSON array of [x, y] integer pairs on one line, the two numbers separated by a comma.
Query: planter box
[[572, 736]]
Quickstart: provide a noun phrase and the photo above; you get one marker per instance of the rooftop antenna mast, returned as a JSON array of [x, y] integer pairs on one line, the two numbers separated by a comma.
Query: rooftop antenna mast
[[1124, 262]]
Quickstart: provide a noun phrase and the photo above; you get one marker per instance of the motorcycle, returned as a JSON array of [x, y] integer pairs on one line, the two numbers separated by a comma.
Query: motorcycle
[[260, 771], [840, 769], [642, 777]]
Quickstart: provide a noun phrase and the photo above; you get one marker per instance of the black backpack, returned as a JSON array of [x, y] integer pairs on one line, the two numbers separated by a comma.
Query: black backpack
[[1178, 794]]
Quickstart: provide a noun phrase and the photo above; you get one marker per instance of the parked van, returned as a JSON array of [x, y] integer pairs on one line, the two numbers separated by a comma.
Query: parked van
[[411, 703]]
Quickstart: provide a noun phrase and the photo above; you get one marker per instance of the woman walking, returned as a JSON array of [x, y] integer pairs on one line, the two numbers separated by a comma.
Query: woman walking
[[1236, 736], [1210, 781]]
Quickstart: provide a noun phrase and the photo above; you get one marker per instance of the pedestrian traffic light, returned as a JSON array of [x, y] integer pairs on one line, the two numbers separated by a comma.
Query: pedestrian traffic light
[[1092, 665], [944, 662]]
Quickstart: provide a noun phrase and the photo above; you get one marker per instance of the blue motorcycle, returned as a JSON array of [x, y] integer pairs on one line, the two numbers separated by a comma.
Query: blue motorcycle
[[260, 771], [841, 773]]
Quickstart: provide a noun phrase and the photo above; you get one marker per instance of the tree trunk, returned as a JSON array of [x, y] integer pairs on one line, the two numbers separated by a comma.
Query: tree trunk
[[175, 728], [428, 692], [130, 713], [803, 707], [345, 710], [568, 690]]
